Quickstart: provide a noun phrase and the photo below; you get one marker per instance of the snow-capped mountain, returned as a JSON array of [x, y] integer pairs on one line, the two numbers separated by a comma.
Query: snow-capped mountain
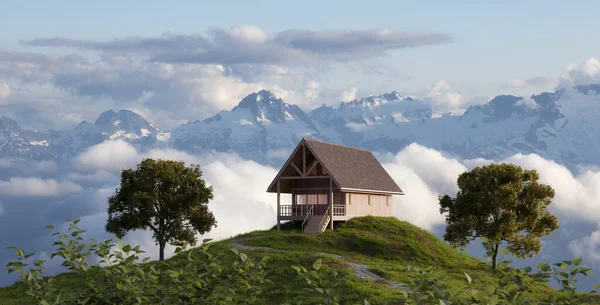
[[110, 125], [561, 126], [259, 127], [16, 143]]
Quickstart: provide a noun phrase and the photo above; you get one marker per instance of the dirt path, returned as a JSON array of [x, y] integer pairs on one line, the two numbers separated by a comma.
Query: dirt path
[[360, 270]]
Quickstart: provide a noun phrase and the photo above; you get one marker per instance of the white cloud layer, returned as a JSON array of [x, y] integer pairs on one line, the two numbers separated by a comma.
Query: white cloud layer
[[585, 73], [241, 203], [32, 186], [348, 94], [587, 247], [441, 97], [527, 102]]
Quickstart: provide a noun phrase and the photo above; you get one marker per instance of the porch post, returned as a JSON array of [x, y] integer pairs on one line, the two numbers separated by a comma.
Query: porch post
[[331, 203], [278, 202]]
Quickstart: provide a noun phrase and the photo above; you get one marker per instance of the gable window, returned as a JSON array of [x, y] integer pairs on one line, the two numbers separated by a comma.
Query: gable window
[[317, 170]]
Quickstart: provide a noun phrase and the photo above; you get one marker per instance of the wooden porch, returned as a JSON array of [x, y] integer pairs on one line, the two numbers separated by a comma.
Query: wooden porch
[[299, 212]]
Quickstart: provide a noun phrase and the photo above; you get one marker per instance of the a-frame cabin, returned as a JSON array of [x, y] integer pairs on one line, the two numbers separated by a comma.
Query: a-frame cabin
[[332, 182]]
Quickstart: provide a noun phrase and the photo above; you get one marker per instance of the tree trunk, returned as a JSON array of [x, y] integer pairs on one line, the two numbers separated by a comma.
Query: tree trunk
[[495, 257], [161, 249]]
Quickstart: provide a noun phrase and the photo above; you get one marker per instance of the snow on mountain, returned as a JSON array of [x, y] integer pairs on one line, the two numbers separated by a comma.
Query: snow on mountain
[[110, 125], [561, 126], [21, 144], [258, 126]]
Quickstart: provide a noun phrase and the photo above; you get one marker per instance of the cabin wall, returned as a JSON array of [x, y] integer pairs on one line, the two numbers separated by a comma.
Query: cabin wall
[[368, 204]]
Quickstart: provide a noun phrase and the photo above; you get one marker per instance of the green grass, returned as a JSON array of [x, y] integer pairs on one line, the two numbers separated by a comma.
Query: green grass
[[385, 244]]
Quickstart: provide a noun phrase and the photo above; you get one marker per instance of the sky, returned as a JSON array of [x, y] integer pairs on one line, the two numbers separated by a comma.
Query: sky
[[63, 62], [309, 53]]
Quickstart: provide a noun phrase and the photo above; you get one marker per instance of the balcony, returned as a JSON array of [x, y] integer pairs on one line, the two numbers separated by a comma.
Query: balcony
[[301, 210]]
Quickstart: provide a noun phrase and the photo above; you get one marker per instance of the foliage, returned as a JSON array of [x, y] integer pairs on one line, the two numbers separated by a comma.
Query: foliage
[[501, 202], [232, 277], [165, 197]]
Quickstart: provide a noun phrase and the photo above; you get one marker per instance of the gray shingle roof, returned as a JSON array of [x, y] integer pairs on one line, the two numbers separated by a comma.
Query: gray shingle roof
[[351, 168]]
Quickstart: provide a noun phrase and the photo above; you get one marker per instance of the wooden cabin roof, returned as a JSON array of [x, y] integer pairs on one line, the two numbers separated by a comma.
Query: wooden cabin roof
[[352, 169]]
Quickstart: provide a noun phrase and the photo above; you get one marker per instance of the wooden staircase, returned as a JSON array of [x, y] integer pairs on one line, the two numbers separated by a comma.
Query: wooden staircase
[[316, 224]]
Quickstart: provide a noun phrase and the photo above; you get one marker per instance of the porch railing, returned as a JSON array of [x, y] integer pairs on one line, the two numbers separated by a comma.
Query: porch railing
[[303, 210], [307, 218], [323, 222], [339, 210]]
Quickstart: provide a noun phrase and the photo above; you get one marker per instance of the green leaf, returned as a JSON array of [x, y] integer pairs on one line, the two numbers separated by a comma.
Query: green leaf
[[317, 264], [489, 289], [494, 300], [297, 269], [504, 251], [577, 261]]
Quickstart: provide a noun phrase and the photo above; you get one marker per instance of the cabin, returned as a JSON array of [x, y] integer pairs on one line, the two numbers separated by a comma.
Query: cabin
[[330, 182]]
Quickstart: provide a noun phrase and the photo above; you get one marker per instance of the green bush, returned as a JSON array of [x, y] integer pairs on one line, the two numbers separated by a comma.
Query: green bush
[[217, 277]]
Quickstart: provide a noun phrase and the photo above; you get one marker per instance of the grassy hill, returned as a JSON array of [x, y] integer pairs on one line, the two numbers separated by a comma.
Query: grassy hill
[[384, 244]]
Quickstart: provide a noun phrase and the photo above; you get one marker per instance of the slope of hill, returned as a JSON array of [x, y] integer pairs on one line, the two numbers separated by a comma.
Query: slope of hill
[[384, 244]]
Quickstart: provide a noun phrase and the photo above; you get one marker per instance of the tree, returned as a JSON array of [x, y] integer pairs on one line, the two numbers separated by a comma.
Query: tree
[[501, 202], [165, 197]]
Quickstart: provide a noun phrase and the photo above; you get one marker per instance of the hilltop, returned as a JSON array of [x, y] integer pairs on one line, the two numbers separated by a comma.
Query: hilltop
[[384, 246]]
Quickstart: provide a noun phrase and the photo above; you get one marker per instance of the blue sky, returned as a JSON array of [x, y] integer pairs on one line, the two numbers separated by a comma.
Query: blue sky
[[493, 45]]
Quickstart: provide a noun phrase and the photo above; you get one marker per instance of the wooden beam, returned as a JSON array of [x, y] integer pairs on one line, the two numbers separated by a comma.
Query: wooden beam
[[331, 204], [305, 177], [325, 189], [303, 158], [313, 166], [296, 168], [278, 203]]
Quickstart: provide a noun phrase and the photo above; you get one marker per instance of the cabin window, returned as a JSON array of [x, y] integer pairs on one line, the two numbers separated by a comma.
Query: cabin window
[[302, 199], [317, 170]]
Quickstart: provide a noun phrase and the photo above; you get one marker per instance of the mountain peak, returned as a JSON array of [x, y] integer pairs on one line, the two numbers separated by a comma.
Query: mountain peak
[[266, 107], [260, 97], [124, 123], [9, 124]]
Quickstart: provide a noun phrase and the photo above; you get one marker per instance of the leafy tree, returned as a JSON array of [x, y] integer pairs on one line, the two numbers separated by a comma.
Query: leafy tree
[[165, 197], [501, 202]]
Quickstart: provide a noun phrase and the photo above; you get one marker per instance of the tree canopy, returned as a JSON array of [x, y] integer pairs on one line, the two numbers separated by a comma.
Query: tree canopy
[[163, 196], [501, 202]]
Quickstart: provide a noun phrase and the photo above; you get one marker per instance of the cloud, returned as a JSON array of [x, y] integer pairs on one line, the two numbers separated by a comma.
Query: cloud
[[423, 174], [36, 187], [528, 103], [246, 44], [348, 94], [5, 91], [575, 194], [169, 94], [442, 98], [110, 155], [587, 247], [585, 73], [537, 82], [241, 203]]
